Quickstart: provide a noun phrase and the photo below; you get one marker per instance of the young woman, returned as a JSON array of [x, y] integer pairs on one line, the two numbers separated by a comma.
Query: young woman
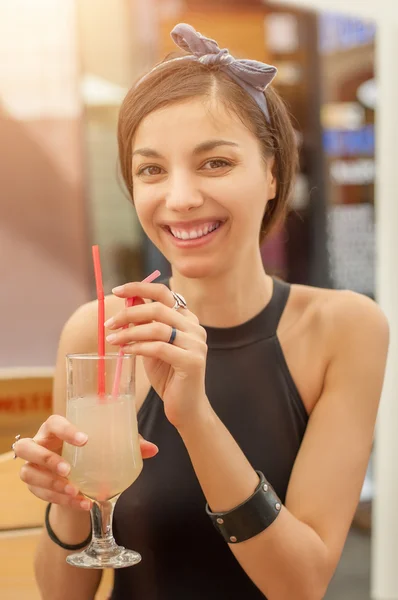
[[255, 383]]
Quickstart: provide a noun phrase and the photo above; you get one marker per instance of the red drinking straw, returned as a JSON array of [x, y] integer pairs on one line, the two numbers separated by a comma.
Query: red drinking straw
[[129, 302], [101, 320]]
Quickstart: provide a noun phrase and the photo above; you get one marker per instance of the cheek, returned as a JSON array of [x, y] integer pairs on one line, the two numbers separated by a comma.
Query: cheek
[[248, 201], [145, 205]]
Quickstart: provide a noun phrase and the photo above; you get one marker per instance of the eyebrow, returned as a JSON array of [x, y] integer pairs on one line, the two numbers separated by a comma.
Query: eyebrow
[[203, 147]]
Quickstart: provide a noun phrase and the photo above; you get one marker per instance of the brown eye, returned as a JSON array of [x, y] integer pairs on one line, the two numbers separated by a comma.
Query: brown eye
[[150, 170], [216, 163]]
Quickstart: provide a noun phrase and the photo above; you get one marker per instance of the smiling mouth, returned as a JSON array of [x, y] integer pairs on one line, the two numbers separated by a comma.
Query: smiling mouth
[[194, 233]]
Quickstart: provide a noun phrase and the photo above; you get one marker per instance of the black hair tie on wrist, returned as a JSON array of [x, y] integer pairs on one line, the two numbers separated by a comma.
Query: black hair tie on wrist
[[56, 540], [249, 518]]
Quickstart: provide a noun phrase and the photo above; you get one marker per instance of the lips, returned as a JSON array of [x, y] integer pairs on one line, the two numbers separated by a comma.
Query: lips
[[194, 232]]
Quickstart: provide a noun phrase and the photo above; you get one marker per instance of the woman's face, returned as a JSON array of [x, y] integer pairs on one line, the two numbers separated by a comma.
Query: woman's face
[[200, 186]]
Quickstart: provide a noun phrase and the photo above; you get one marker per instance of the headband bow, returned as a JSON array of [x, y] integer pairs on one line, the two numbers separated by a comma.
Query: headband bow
[[252, 75]]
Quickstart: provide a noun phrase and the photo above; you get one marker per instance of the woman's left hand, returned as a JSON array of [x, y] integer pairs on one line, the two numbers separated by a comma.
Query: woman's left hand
[[175, 370]]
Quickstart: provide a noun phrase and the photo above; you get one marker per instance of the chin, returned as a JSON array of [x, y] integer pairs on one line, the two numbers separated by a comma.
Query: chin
[[196, 269]]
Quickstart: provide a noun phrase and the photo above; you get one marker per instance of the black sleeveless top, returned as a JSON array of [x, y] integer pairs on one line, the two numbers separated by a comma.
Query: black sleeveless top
[[162, 515]]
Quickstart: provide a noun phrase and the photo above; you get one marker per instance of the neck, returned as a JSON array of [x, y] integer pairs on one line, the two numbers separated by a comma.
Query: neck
[[232, 297]]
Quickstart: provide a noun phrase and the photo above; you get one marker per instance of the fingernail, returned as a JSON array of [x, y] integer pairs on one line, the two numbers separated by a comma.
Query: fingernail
[[81, 438], [72, 491], [111, 338], [109, 323], [118, 290], [63, 468], [85, 504]]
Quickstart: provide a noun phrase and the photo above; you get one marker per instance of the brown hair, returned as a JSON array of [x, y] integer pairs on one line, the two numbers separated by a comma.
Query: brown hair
[[175, 81]]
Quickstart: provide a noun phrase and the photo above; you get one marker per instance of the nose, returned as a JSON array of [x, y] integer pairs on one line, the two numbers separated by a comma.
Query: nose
[[182, 194]]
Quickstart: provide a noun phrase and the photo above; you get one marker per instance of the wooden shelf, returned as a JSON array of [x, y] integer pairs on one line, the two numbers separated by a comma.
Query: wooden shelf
[[18, 507], [17, 580]]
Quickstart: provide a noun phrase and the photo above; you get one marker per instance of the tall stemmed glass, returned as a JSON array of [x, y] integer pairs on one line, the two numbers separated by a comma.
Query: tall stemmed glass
[[111, 460]]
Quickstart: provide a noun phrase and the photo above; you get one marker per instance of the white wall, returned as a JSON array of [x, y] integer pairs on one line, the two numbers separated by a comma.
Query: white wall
[[43, 256]]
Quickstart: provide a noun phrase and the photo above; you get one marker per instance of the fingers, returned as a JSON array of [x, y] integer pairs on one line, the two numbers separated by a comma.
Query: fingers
[[46, 476], [170, 354], [62, 429], [33, 452], [51, 435], [145, 313], [79, 502], [157, 292], [42, 458], [52, 488], [45, 471], [154, 331], [39, 477], [152, 291], [148, 450], [156, 311]]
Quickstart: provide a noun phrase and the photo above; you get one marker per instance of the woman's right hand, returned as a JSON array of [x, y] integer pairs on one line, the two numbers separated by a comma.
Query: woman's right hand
[[46, 472]]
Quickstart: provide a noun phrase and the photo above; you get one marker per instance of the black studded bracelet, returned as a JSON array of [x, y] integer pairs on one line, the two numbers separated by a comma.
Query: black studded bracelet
[[249, 518]]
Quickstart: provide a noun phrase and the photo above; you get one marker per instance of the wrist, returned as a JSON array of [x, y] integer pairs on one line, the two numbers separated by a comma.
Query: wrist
[[202, 420], [70, 525]]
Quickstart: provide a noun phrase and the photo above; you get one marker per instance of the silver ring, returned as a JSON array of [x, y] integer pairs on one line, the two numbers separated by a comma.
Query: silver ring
[[17, 438], [172, 335], [180, 301]]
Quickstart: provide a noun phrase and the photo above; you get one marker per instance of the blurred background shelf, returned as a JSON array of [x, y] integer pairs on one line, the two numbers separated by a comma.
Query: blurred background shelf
[[21, 520], [17, 580]]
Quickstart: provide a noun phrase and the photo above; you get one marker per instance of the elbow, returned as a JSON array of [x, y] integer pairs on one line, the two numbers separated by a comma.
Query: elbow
[[310, 587], [316, 583], [320, 568], [318, 593], [313, 583], [309, 591]]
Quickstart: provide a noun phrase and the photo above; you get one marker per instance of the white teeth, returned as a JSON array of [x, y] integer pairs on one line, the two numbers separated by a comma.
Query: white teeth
[[194, 233]]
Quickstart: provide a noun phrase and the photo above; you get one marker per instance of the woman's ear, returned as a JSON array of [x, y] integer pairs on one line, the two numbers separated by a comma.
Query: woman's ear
[[271, 179]]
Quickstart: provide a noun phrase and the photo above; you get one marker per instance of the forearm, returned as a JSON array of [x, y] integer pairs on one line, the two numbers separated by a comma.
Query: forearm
[[56, 579], [288, 559]]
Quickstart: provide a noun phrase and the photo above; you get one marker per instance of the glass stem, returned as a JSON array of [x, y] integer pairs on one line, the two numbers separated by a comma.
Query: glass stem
[[101, 520]]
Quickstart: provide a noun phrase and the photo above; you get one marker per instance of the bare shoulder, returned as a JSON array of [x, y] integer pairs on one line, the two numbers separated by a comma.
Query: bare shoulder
[[80, 336], [326, 333], [346, 313], [80, 331], [337, 316]]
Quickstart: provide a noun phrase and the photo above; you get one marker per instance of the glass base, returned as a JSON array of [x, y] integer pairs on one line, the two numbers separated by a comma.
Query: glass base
[[117, 558]]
